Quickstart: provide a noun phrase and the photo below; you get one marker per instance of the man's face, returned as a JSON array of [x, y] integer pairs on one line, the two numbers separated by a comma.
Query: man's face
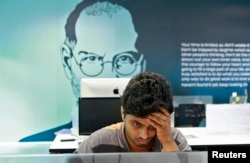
[[139, 133], [105, 47]]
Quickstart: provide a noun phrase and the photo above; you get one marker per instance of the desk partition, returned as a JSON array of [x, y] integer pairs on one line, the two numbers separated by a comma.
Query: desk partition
[[150, 157], [24, 148]]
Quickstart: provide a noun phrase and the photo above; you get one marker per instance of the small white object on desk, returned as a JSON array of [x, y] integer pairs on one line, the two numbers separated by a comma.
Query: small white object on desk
[[65, 143]]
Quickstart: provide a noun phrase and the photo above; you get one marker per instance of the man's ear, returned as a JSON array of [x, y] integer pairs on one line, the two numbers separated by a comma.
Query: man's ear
[[122, 113], [66, 58]]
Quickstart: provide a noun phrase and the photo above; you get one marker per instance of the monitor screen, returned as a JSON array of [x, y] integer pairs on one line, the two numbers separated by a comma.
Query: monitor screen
[[190, 115], [95, 113], [103, 87]]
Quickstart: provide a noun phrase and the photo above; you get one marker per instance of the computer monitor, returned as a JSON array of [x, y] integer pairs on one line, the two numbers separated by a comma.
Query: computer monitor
[[103, 87], [190, 115], [95, 113]]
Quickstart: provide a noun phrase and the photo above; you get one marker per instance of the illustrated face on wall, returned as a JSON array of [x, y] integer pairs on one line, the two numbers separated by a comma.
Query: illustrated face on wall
[[105, 45]]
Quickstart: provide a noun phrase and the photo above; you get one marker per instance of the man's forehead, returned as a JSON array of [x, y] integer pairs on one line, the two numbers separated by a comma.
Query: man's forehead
[[102, 31], [136, 118], [119, 18]]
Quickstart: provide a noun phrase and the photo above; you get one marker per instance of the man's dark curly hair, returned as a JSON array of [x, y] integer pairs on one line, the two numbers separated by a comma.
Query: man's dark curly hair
[[146, 93]]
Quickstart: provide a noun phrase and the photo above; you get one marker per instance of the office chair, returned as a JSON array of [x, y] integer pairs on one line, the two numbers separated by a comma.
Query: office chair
[[190, 115]]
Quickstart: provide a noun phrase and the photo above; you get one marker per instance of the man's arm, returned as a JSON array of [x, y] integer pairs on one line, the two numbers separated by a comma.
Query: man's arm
[[162, 122]]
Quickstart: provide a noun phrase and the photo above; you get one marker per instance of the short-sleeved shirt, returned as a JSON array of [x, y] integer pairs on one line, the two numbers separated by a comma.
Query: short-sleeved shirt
[[112, 139]]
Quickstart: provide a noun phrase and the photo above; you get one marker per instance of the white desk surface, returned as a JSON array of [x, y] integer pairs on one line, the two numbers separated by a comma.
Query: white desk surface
[[196, 136], [24, 148], [66, 142]]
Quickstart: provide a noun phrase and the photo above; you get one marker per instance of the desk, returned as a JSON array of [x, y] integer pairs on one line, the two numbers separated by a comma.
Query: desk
[[197, 138], [65, 143]]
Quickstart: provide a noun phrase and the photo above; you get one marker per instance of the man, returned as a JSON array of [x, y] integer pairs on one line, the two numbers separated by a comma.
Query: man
[[100, 42], [147, 104]]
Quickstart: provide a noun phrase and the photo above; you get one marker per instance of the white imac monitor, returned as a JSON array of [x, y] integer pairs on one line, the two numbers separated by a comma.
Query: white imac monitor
[[103, 87]]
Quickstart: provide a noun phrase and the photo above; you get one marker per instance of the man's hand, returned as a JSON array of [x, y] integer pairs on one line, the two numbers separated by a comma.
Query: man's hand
[[162, 122]]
